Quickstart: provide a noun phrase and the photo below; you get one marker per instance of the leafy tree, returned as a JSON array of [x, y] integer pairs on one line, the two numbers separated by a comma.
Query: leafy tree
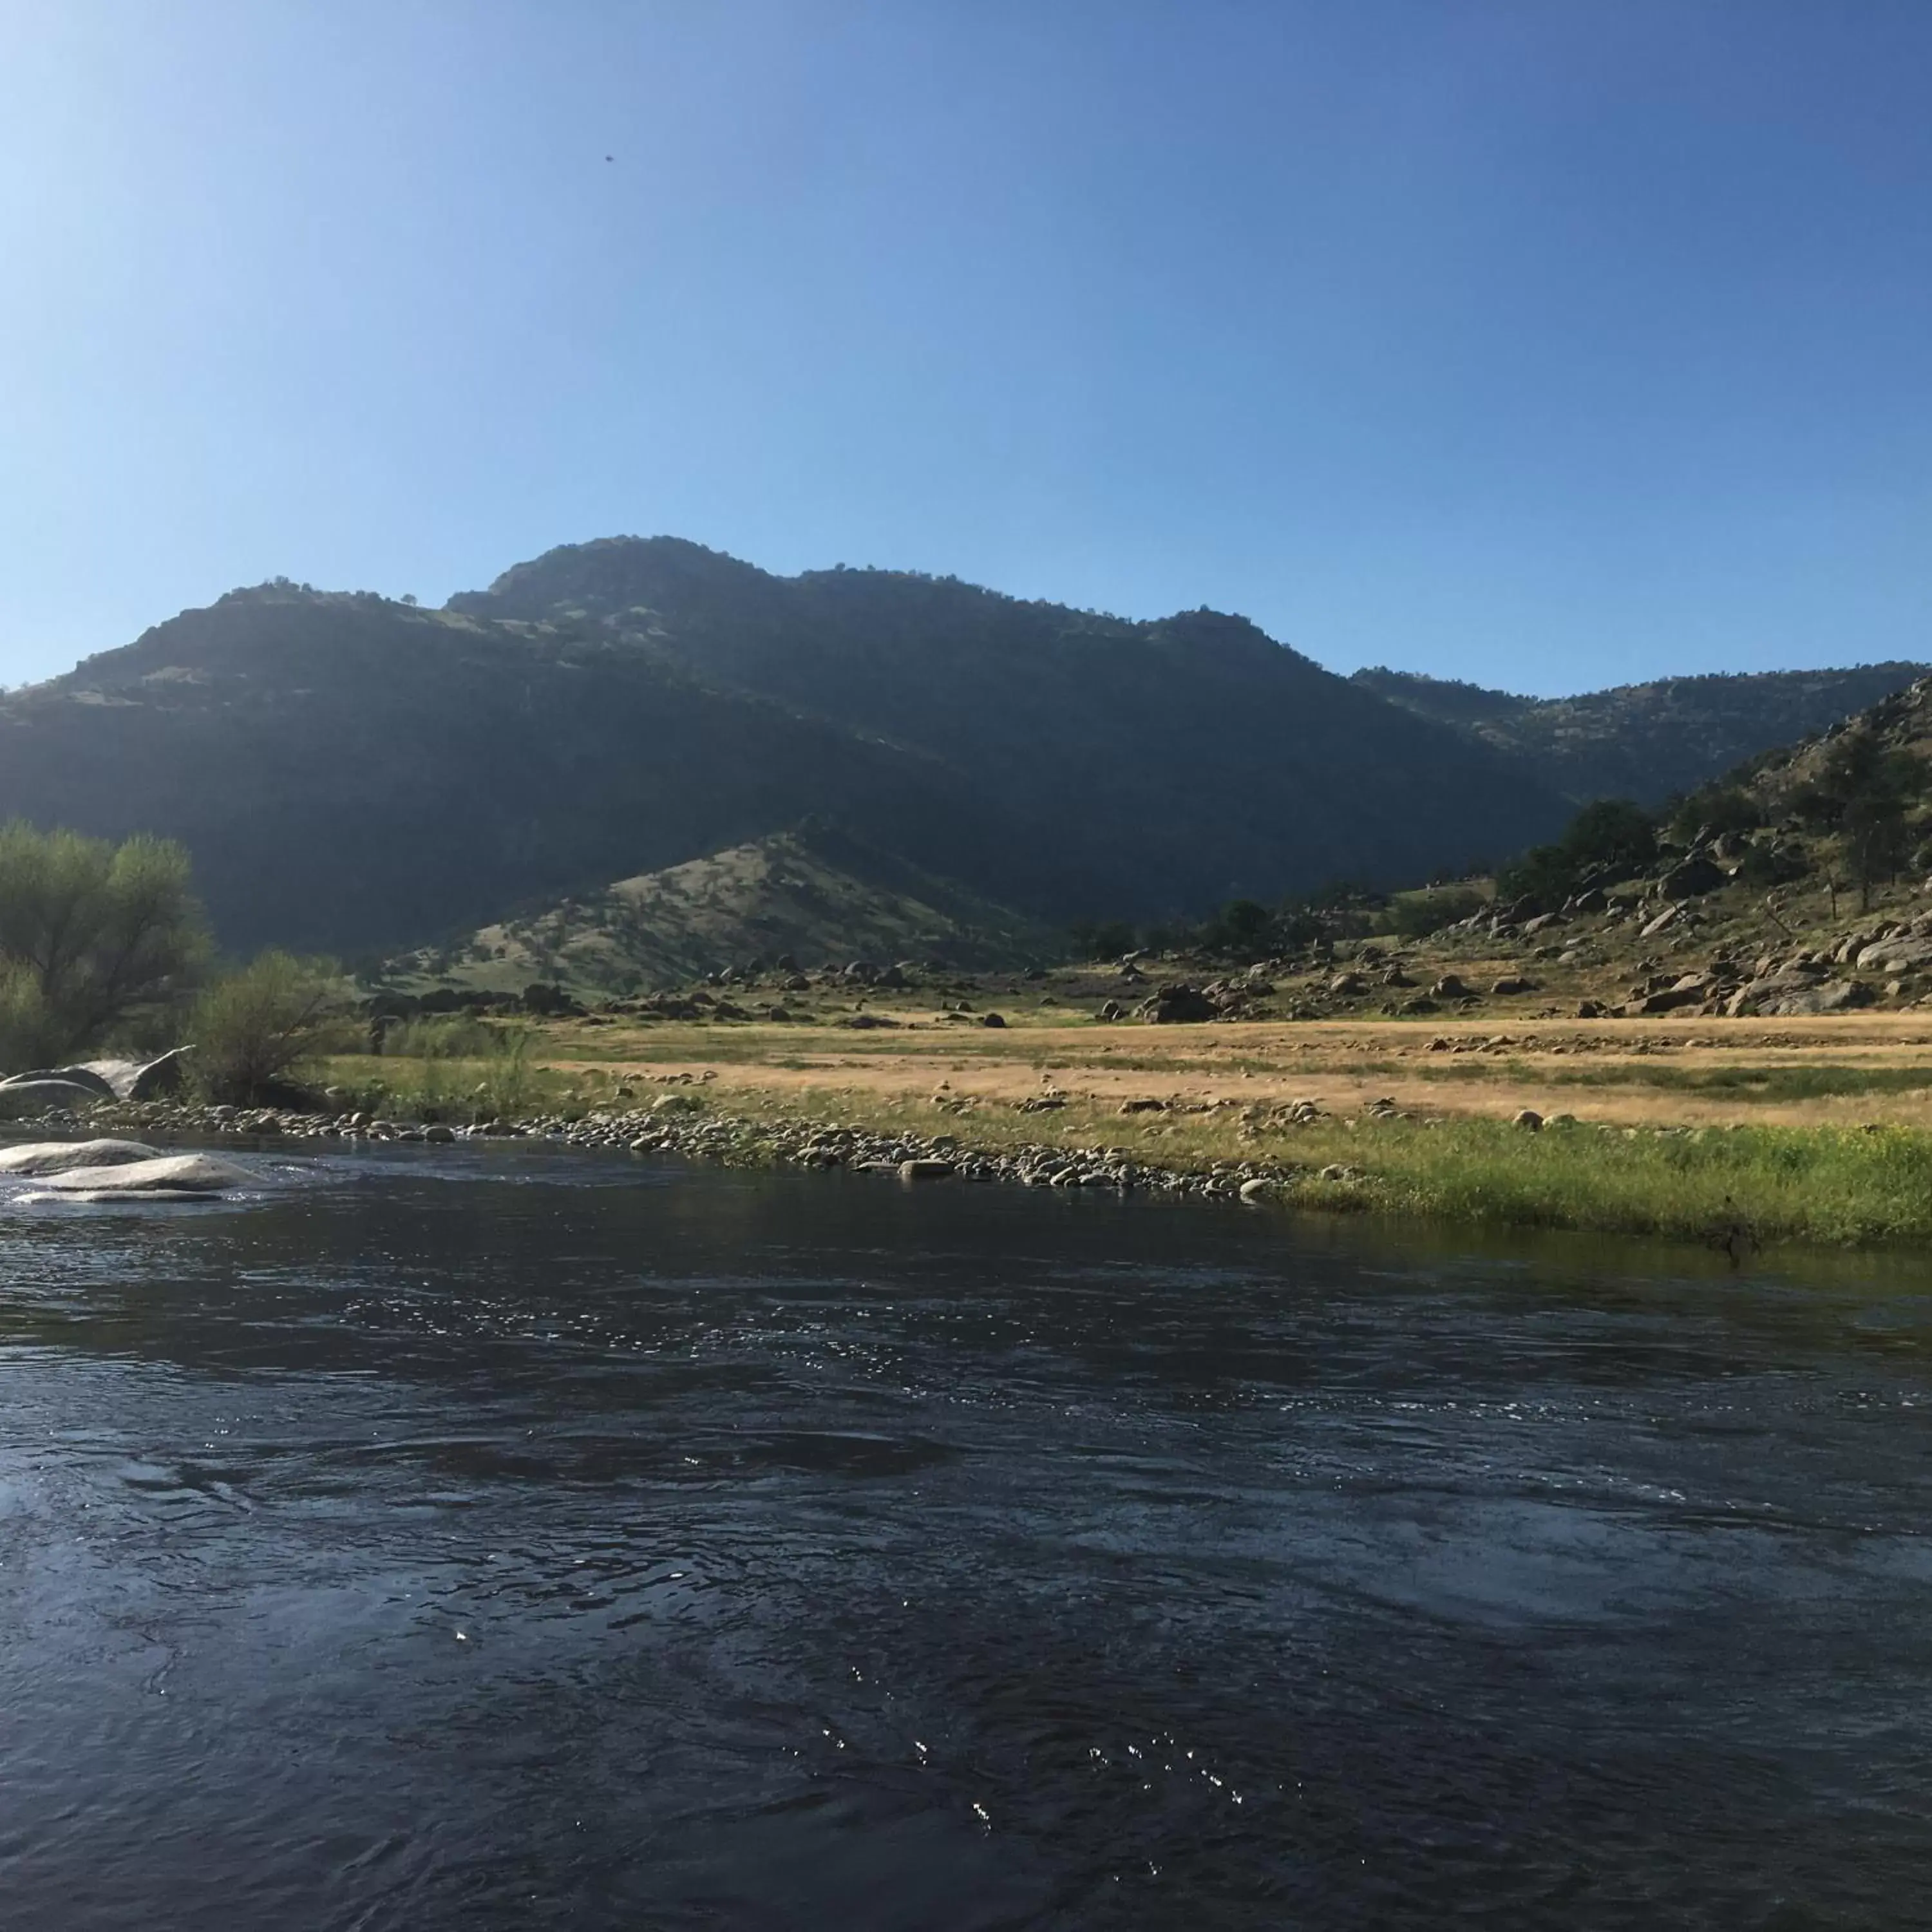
[[1875, 838], [253, 1028], [94, 928], [1108, 939], [1242, 927], [1612, 833], [1864, 791], [1715, 809], [1609, 838]]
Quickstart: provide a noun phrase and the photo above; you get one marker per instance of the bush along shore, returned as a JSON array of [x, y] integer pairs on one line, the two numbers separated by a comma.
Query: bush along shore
[[1739, 1189]]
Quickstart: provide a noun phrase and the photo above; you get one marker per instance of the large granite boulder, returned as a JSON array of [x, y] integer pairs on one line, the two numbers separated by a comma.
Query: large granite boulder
[[39, 1157], [165, 1177], [157, 1079], [1692, 877], [1786, 995], [20, 1097], [1179, 1005], [1903, 955], [72, 1076]]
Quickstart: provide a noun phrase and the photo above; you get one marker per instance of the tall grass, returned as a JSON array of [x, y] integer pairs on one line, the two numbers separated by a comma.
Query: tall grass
[[1847, 1187], [458, 1071], [1835, 1186]]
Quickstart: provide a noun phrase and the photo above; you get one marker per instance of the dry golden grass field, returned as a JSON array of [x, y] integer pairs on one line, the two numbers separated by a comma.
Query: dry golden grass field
[[1836, 1070]]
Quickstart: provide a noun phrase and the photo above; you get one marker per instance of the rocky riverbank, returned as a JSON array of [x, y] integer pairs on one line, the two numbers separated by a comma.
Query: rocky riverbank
[[706, 1134], [1739, 1189]]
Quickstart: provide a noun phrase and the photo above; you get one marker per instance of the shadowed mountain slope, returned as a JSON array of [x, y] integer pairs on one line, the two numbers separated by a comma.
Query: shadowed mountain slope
[[353, 774], [361, 776], [1171, 764]]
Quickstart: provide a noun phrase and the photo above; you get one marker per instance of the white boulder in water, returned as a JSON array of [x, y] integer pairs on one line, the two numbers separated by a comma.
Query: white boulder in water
[[165, 1176], [37, 1157]]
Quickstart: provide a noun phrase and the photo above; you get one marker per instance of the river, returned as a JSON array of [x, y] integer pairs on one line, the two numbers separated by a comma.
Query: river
[[496, 1537]]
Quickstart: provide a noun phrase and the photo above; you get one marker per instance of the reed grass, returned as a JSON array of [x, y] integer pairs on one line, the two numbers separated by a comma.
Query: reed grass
[[1741, 1187]]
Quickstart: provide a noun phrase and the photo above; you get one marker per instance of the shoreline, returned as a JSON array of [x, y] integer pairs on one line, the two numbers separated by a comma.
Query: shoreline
[[735, 1140], [1741, 1190]]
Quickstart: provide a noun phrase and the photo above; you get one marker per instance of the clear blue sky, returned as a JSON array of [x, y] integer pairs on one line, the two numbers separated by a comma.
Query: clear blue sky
[[1549, 342]]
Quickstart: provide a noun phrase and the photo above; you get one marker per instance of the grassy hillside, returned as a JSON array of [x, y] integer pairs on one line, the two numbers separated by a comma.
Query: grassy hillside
[[1646, 742], [814, 896]]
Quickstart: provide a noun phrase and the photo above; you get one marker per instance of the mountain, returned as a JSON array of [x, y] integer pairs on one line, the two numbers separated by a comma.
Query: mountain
[[817, 895], [358, 774], [1170, 764], [351, 774], [1646, 742]]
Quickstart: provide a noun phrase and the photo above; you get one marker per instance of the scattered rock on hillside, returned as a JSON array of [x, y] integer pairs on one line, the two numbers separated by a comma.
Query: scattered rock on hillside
[[1692, 877], [1788, 994], [1901, 954], [1178, 1005]]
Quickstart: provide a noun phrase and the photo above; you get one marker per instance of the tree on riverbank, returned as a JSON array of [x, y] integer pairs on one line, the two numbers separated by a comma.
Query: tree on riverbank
[[90, 930]]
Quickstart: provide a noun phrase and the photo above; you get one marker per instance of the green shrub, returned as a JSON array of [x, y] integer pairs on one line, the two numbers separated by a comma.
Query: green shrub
[[29, 1035], [1416, 915], [443, 1036], [255, 1029]]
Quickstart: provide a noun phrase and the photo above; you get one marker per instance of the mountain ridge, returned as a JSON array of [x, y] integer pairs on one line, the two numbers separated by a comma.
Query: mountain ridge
[[360, 774], [356, 774], [1650, 741]]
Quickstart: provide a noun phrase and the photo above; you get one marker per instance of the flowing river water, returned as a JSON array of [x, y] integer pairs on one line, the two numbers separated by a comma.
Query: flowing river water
[[499, 1538]]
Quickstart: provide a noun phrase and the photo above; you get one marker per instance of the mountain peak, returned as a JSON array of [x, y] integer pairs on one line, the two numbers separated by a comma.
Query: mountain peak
[[609, 575]]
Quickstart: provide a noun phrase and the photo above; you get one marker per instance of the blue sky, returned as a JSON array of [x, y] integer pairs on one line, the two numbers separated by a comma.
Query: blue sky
[[1548, 343]]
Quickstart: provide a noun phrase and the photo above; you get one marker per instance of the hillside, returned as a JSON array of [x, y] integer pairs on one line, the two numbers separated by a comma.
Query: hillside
[[357, 775], [1800, 892], [1646, 742], [812, 896]]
